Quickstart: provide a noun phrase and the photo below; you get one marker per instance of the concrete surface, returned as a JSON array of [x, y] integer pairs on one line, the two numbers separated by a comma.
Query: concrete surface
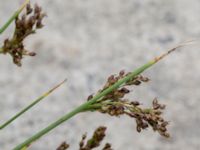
[[87, 40]]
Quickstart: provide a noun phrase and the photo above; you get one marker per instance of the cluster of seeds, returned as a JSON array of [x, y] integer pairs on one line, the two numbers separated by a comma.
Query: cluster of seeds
[[150, 117], [95, 141], [123, 90], [92, 143], [26, 25], [115, 104], [134, 81]]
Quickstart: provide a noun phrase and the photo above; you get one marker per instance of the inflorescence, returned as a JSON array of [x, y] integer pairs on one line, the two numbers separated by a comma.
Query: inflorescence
[[114, 104], [92, 143], [25, 25]]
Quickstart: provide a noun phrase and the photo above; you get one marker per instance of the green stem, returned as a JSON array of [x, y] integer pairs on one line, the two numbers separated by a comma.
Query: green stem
[[10, 20], [84, 106], [30, 106], [52, 126]]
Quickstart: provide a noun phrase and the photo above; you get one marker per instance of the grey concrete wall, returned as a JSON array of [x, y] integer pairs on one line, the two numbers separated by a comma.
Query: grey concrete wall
[[87, 40]]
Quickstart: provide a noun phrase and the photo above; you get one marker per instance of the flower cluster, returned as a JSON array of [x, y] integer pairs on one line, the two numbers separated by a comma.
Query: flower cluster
[[91, 143], [120, 92], [25, 25], [95, 141], [115, 104]]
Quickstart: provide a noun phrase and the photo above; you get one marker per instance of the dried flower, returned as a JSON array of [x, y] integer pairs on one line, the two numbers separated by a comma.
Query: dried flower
[[25, 25], [92, 143], [115, 104], [95, 141]]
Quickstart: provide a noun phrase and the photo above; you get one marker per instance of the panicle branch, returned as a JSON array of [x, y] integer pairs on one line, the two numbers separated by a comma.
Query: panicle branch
[[115, 104]]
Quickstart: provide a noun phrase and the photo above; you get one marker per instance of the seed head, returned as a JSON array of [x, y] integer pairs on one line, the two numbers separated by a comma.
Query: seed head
[[25, 25]]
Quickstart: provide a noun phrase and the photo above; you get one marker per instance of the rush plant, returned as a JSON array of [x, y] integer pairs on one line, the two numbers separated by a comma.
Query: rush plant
[[109, 100]]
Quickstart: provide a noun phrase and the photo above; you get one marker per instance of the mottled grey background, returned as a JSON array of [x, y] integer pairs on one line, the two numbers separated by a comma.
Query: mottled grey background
[[87, 40]]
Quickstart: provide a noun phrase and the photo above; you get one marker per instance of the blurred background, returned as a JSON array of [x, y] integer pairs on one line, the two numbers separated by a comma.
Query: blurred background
[[87, 40]]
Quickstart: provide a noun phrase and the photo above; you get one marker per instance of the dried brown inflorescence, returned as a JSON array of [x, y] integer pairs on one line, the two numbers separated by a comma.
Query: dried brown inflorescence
[[25, 25], [91, 143], [95, 141], [115, 104]]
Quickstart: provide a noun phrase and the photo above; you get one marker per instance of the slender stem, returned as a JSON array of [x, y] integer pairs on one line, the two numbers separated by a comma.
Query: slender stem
[[87, 104], [10, 20], [52, 126], [30, 106]]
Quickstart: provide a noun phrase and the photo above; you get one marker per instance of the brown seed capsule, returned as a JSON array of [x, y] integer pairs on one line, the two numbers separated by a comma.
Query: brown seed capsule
[[63, 146], [144, 125], [31, 21], [18, 23], [90, 97], [121, 73], [155, 101], [165, 123], [135, 103], [163, 129], [28, 9], [37, 9], [124, 90], [167, 135], [144, 79], [39, 24], [111, 79], [32, 54], [155, 104], [136, 82], [160, 119], [158, 112]]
